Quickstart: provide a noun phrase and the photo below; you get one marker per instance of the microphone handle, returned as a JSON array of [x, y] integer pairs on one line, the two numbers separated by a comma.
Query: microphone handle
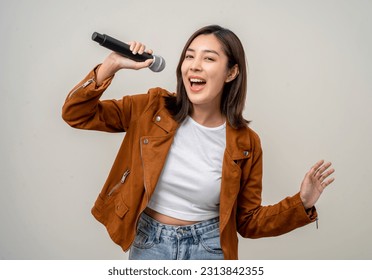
[[119, 47]]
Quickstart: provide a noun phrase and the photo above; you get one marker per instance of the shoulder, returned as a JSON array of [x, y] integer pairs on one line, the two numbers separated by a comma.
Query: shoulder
[[247, 134], [141, 102], [255, 138], [159, 92], [152, 94], [153, 97], [159, 97]]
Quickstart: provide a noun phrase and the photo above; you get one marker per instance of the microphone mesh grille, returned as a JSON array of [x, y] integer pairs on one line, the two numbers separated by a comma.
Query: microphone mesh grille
[[158, 64]]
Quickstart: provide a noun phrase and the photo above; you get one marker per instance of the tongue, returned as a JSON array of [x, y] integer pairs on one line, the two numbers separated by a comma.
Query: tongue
[[197, 86]]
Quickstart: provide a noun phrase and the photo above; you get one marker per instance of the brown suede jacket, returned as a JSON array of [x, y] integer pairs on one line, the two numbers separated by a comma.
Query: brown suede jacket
[[149, 133]]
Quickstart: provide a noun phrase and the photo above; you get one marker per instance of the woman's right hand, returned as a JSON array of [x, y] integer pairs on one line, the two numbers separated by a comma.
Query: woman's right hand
[[115, 62]]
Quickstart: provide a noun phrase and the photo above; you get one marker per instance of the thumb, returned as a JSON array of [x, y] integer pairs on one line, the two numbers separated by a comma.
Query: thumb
[[144, 64]]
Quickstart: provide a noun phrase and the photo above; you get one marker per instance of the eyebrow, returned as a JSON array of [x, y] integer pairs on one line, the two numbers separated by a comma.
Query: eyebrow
[[206, 51]]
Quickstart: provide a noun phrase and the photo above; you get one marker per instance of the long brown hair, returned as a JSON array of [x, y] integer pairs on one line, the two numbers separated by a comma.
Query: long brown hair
[[234, 92]]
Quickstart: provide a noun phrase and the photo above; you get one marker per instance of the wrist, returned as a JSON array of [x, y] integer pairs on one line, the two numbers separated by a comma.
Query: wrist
[[107, 69], [305, 203]]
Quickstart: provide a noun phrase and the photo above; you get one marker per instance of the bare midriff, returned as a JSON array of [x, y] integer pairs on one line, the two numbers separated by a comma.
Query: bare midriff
[[164, 219]]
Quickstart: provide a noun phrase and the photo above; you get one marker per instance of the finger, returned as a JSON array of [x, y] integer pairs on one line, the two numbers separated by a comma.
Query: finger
[[135, 47], [322, 169], [148, 62], [315, 167], [144, 64], [131, 45], [141, 49], [327, 183], [326, 174]]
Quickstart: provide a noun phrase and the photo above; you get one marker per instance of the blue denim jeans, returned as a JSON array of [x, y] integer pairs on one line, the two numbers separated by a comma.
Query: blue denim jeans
[[156, 241]]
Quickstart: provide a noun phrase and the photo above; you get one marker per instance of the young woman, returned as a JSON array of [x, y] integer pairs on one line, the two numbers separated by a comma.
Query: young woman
[[188, 175]]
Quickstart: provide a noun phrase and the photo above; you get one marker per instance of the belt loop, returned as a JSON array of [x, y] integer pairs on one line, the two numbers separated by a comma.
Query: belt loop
[[194, 235], [158, 232]]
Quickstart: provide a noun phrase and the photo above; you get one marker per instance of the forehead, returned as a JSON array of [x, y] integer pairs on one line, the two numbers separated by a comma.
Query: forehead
[[206, 42]]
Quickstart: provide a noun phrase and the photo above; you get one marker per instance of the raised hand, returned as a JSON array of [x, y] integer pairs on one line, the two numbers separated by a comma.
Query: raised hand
[[114, 62], [315, 181]]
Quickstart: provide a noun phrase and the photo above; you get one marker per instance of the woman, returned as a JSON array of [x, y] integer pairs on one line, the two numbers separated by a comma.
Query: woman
[[188, 175]]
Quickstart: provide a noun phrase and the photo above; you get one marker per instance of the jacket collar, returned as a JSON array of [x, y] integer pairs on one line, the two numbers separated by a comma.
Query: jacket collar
[[238, 144], [164, 120]]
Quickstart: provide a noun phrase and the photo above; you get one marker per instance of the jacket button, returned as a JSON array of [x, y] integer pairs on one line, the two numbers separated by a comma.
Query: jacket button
[[145, 141], [245, 153], [158, 119]]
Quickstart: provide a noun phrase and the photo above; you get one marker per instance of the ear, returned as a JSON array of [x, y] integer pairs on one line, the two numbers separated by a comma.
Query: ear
[[232, 74]]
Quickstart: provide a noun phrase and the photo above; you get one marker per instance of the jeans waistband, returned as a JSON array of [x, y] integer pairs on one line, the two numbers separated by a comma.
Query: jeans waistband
[[198, 228]]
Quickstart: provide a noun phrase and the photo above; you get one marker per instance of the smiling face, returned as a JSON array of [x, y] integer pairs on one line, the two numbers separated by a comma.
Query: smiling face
[[210, 90], [205, 72]]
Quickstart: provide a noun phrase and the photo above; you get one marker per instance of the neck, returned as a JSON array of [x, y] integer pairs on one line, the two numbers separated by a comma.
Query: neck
[[208, 118]]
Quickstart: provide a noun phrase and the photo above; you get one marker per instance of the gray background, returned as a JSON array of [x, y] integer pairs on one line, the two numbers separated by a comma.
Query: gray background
[[309, 97]]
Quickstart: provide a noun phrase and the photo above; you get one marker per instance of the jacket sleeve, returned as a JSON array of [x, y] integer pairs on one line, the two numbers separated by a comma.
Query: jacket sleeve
[[83, 108], [255, 220]]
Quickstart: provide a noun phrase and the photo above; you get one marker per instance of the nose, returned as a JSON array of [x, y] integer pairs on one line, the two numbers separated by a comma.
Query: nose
[[196, 64]]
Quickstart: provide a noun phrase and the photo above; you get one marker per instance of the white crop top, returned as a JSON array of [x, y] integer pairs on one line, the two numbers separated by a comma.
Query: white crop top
[[190, 183]]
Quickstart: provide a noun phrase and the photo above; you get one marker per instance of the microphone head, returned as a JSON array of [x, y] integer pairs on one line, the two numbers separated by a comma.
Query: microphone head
[[158, 64]]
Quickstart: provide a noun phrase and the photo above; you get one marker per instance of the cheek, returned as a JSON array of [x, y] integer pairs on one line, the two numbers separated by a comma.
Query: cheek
[[219, 77], [219, 84], [183, 74], [184, 68]]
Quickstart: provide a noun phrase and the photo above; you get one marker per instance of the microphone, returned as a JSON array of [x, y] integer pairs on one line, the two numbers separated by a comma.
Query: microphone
[[121, 48]]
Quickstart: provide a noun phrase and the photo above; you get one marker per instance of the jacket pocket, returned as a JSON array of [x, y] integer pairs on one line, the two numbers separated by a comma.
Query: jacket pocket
[[120, 208], [118, 185]]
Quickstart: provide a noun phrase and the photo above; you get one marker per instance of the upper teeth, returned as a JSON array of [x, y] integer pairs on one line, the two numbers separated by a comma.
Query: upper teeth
[[196, 81]]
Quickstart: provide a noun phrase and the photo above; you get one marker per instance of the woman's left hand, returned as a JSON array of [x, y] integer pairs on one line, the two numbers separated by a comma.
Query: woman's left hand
[[315, 181]]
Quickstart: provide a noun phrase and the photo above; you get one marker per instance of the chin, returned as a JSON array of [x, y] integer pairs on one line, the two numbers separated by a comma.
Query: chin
[[196, 98]]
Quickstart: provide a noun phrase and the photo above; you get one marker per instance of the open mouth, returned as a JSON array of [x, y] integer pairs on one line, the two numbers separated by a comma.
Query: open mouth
[[197, 83]]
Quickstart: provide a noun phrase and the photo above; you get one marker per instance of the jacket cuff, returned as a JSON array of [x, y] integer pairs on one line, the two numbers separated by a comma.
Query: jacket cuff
[[87, 88], [311, 213]]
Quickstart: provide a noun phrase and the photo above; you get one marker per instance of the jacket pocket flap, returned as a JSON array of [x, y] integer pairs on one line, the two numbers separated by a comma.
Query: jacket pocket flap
[[120, 208]]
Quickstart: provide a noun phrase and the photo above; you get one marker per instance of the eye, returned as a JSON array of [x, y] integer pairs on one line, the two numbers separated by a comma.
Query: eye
[[189, 56], [208, 58]]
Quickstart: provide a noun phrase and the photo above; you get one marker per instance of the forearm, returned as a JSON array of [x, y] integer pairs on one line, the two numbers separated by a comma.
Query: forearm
[[83, 109], [277, 219], [107, 69], [81, 104]]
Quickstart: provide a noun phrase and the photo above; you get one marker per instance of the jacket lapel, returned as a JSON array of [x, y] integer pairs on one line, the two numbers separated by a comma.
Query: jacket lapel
[[154, 149], [238, 147]]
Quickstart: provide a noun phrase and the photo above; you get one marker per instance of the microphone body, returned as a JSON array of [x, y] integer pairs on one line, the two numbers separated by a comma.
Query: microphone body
[[123, 49]]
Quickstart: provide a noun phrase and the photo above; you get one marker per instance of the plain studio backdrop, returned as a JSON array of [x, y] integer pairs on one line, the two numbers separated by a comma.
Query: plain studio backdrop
[[309, 98]]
